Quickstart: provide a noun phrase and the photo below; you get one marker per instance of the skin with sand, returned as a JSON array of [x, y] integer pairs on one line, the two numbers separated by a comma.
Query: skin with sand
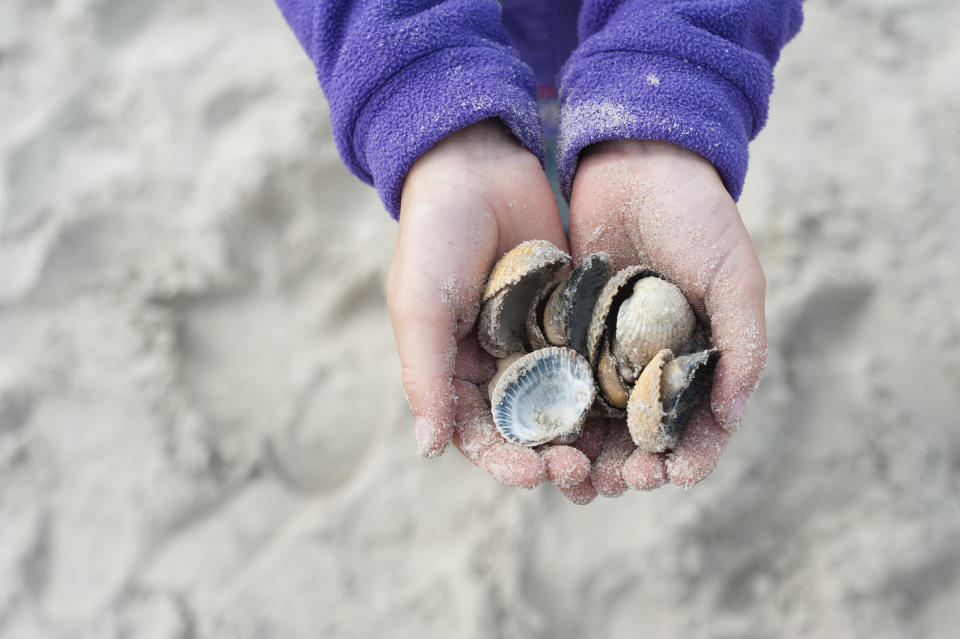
[[478, 194]]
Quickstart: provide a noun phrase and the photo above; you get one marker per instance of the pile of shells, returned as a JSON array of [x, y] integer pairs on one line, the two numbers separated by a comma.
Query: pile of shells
[[621, 344]]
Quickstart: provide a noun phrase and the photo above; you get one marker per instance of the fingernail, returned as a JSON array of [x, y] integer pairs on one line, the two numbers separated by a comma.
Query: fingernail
[[737, 408], [422, 428]]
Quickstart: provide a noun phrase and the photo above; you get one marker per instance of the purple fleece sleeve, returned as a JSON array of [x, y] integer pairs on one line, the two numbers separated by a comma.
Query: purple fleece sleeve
[[697, 73], [400, 75]]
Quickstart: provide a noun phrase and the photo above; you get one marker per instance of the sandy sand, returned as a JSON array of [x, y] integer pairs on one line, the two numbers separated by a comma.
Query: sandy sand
[[202, 431]]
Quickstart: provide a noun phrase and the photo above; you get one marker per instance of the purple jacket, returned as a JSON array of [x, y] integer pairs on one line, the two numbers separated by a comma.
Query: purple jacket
[[400, 75]]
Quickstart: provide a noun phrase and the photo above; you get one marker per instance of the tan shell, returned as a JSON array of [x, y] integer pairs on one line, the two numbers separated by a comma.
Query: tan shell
[[569, 311], [612, 388], [645, 415], [656, 316], [542, 396], [553, 328], [520, 262], [535, 335], [613, 293]]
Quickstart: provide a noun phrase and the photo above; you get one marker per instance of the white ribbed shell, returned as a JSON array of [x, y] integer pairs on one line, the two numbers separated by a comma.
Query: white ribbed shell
[[543, 395], [655, 316]]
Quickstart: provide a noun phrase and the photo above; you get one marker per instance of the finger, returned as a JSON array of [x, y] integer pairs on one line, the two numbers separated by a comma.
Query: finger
[[580, 494], [735, 306], [433, 298], [605, 473], [427, 348], [478, 440], [590, 442], [644, 471], [514, 465], [698, 451], [565, 465]]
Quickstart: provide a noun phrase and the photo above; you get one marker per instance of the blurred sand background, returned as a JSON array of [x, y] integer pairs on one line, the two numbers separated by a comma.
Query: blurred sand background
[[202, 431]]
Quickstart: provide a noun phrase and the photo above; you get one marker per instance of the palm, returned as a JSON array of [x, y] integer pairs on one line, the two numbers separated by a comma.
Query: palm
[[653, 203], [466, 202]]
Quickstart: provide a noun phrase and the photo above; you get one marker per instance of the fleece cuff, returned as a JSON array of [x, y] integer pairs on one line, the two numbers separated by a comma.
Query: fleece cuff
[[615, 95], [434, 96]]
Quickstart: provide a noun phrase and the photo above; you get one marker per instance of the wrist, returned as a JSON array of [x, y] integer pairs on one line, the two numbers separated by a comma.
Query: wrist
[[649, 157]]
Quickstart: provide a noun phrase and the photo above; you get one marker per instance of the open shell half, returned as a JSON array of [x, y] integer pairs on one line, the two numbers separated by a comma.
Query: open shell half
[[567, 316], [666, 392], [542, 396]]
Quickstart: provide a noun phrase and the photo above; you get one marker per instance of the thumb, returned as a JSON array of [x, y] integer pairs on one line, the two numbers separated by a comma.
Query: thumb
[[433, 294], [735, 305], [425, 341]]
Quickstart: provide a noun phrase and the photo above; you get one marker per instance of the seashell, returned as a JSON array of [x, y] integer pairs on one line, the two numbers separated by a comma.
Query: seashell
[[612, 389], [685, 379], [502, 365], [516, 279], [523, 260], [614, 292], [535, 336], [655, 317], [569, 310], [645, 415], [501, 330], [664, 396], [543, 395]]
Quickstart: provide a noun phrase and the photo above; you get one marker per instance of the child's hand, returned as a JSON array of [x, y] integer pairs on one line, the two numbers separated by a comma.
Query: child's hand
[[659, 204], [465, 202]]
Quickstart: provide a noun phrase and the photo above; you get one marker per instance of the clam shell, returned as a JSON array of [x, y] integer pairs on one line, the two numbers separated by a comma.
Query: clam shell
[[656, 316], [543, 395], [614, 292], [612, 389], [645, 414], [522, 261], [535, 336], [568, 313], [685, 379], [513, 282]]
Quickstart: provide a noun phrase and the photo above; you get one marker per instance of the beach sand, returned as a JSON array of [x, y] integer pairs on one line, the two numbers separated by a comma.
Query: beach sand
[[202, 428]]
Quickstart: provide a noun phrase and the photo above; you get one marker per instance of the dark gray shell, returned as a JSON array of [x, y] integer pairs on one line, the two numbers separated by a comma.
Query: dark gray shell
[[684, 381], [568, 313], [503, 318], [542, 396]]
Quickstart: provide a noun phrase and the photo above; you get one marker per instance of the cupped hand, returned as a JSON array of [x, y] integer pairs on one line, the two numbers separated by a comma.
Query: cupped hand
[[654, 203], [465, 202]]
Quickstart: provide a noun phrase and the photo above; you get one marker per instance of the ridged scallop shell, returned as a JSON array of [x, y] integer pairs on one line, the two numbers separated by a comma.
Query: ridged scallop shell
[[656, 316], [522, 261], [645, 414], [543, 395], [568, 312], [614, 292], [502, 365], [535, 336]]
